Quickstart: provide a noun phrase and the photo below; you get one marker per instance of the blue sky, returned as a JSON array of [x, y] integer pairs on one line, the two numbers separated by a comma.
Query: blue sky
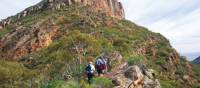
[[178, 20]]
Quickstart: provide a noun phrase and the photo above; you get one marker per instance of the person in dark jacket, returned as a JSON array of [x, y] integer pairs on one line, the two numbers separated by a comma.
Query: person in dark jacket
[[90, 71]]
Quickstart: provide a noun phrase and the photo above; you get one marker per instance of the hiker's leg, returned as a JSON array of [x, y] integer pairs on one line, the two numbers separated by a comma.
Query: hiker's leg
[[99, 72], [89, 78]]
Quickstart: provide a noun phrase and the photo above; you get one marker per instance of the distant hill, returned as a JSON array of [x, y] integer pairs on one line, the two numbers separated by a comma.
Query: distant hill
[[197, 61]]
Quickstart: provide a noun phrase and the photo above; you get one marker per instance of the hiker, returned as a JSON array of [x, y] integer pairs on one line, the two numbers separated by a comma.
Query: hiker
[[105, 61], [90, 70], [100, 65]]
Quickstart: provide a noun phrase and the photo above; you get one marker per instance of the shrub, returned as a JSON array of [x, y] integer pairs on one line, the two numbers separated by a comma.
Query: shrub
[[135, 59], [101, 82], [61, 57], [168, 84], [62, 84], [6, 30], [84, 84], [11, 70], [12, 73]]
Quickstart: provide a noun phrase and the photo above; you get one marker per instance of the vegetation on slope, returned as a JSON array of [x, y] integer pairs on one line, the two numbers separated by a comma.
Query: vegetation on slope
[[84, 37]]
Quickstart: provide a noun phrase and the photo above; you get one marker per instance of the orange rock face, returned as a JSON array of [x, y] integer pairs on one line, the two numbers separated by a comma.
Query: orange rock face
[[111, 7], [23, 41]]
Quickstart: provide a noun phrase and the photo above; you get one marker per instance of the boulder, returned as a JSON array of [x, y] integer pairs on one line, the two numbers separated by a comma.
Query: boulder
[[140, 77], [149, 83], [116, 82], [123, 81], [133, 73]]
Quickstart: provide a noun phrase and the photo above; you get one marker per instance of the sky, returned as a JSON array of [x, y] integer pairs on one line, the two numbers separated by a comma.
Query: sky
[[11, 7], [178, 20]]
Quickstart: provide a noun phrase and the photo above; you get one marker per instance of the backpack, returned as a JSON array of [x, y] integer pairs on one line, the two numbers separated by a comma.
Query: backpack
[[98, 61], [103, 66], [100, 64], [88, 69]]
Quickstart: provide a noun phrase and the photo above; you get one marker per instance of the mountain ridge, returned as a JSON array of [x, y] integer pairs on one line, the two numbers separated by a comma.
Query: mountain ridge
[[42, 48], [110, 7], [196, 61]]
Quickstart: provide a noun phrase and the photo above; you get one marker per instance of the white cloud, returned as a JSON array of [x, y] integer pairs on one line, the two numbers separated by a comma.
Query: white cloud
[[178, 20]]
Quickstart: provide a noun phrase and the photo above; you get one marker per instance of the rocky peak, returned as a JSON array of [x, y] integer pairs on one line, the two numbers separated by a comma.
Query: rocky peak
[[111, 7]]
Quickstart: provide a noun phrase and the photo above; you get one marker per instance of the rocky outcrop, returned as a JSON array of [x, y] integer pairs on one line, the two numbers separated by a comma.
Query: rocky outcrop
[[23, 41], [5, 22], [125, 76], [136, 77], [110, 7]]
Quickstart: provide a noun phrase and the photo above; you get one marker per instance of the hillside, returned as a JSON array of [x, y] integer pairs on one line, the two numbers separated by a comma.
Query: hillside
[[196, 61], [49, 44]]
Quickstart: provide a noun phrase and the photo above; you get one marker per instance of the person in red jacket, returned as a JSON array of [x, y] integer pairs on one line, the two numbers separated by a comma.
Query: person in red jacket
[[101, 65]]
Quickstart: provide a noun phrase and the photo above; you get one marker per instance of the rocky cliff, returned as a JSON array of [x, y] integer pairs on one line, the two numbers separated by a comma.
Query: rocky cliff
[[110, 7], [41, 37], [49, 44]]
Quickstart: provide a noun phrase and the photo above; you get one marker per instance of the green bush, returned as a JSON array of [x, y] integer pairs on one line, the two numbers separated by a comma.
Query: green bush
[[62, 84], [12, 70], [135, 59], [6, 30], [14, 73], [61, 57], [160, 61], [101, 82], [85, 84], [168, 84]]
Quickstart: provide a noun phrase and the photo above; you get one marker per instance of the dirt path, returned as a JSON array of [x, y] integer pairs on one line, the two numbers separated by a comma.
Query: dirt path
[[115, 71]]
